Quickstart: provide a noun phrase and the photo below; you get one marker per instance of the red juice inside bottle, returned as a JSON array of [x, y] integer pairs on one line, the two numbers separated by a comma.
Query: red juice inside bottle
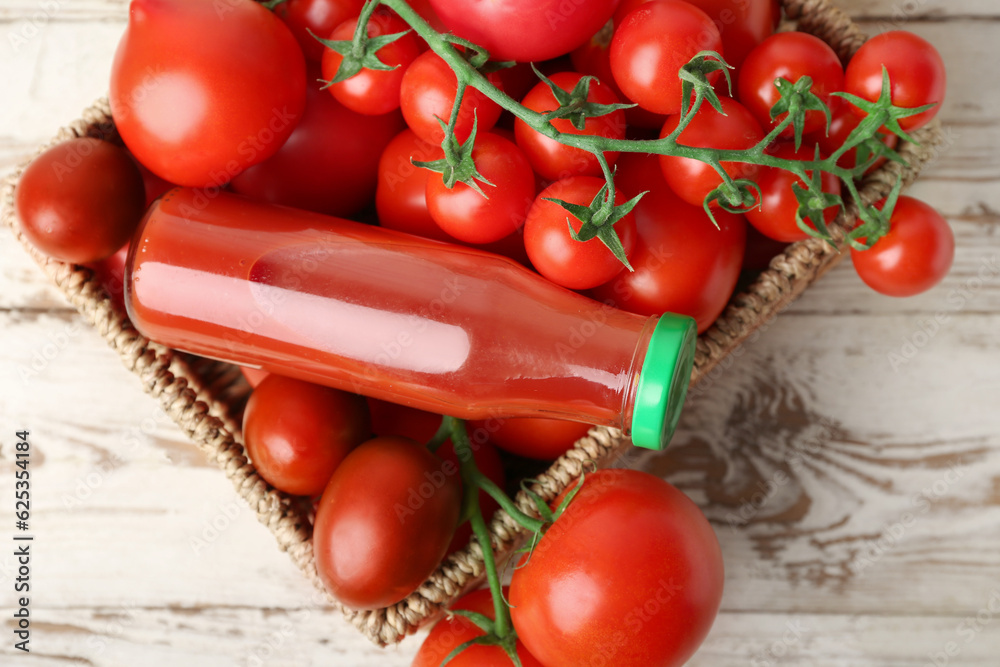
[[436, 326]]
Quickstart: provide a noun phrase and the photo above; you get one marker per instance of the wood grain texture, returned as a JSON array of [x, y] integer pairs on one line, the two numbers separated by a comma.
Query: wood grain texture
[[848, 456]]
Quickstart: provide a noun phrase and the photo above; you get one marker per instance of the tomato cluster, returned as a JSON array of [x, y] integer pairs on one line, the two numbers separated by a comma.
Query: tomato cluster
[[280, 122]]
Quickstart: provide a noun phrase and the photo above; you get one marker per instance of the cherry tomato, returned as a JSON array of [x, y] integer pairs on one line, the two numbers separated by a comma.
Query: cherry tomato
[[650, 46], [428, 93], [297, 433], [469, 216], [178, 73], [451, 632], [80, 200], [329, 164], [553, 160], [913, 257], [789, 55], [555, 254], [693, 180], [154, 186], [254, 376], [532, 437], [775, 217], [916, 74], [632, 572], [525, 30], [384, 522], [760, 250], [401, 197], [110, 273], [843, 122], [373, 92], [318, 16], [683, 264]]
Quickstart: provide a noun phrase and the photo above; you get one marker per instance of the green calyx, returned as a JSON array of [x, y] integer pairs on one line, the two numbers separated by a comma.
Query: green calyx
[[573, 105], [598, 220]]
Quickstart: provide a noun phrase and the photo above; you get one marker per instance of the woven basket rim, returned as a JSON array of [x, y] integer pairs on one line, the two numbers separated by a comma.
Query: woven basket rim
[[199, 394]]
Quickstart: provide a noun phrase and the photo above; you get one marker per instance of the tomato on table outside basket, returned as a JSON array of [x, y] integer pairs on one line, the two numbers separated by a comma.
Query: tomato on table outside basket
[[297, 433], [524, 30], [384, 522], [450, 633], [195, 103], [532, 437], [683, 263], [80, 200], [913, 257], [631, 574]]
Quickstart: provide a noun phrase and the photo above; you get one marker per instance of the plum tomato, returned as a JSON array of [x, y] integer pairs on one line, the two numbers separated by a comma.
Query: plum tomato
[[650, 46], [736, 130], [470, 216], [631, 572], [683, 263], [318, 16], [297, 433], [451, 632], [80, 200], [373, 92], [177, 73], [914, 256], [916, 74], [532, 437], [330, 163], [555, 254], [791, 56], [427, 94], [384, 522]]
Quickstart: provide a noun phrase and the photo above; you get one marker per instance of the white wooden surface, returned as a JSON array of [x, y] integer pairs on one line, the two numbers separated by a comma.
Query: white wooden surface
[[849, 458]]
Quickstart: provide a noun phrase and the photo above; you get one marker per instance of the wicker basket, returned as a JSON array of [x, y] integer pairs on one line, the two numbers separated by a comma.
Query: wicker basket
[[205, 397]]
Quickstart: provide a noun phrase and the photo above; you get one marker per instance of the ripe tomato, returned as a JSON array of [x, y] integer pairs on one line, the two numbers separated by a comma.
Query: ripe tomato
[[650, 46], [843, 122], [401, 196], [177, 71], [760, 250], [693, 180], [913, 257], [110, 273], [297, 433], [428, 93], [329, 164], [319, 16], [451, 632], [789, 55], [153, 185], [384, 522], [469, 216], [631, 574], [553, 160], [80, 200], [775, 217], [373, 92], [532, 437], [555, 254], [522, 30], [683, 264], [916, 74], [253, 376]]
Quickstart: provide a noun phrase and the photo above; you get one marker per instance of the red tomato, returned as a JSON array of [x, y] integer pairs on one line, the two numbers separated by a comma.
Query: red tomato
[[319, 16], [401, 197], [532, 437], [176, 74], [329, 164], [110, 273], [80, 200], [553, 160], [428, 93], [760, 250], [916, 74], [555, 254], [843, 122], [450, 633], [524, 31], [154, 186], [297, 433], [775, 217], [254, 376], [650, 46], [373, 92], [683, 264], [384, 522], [469, 216], [913, 257], [632, 572], [737, 130], [789, 55], [488, 462]]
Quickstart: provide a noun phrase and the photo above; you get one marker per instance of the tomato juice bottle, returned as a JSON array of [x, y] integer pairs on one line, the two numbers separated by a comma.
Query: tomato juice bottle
[[432, 325]]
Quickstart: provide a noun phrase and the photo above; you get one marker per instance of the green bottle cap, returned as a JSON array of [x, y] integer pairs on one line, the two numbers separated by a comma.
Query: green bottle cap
[[663, 381]]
